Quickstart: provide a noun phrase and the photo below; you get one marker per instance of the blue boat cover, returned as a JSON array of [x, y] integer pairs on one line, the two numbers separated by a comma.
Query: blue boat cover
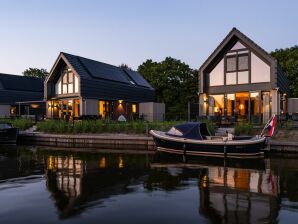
[[191, 130]]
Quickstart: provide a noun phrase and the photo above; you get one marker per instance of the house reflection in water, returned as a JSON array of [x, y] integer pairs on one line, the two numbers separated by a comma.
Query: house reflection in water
[[68, 173], [77, 184], [233, 195]]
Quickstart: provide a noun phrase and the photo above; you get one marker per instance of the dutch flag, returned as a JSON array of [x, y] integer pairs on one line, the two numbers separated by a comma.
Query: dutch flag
[[270, 126]]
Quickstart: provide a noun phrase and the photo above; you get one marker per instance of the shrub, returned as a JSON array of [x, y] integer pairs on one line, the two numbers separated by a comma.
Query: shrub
[[243, 129], [21, 123], [98, 126]]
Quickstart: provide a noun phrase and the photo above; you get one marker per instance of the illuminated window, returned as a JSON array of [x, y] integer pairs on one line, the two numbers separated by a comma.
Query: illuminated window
[[68, 83], [134, 108]]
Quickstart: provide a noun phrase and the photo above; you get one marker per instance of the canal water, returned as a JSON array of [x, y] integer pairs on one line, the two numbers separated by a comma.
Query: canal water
[[46, 186]]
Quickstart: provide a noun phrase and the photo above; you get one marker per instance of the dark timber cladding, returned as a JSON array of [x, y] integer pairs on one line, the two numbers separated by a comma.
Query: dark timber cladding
[[16, 88], [77, 87], [21, 95], [240, 82], [106, 81]]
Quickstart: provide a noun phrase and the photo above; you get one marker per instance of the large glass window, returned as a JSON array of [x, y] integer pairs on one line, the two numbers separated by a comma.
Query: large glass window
[[243, 62], [76, 84], [266, 106], [242, 104], [231, 78], [237, 68], [243, 77], [68, 83], [231, 64], [58, 87], [254, 106], [104, 109], [230, 104], [216, 105]]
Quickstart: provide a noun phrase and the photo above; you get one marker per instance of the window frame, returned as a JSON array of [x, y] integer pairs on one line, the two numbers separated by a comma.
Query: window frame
[[238, 53], [66, 81]]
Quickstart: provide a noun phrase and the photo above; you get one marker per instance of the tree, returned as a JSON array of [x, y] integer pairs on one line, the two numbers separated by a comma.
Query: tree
[[36, 72], [288, 59], [175, 84], [125, 66]]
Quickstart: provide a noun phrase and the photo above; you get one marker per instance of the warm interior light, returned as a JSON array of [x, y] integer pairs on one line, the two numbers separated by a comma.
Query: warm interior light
[[241, 106], [121, 163], [216, 109], [120, 101], [102, 162], [34, 106], [134, 108]]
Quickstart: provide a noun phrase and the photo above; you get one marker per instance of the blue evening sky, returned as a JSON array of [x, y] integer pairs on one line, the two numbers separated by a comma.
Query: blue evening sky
[[33, 32]]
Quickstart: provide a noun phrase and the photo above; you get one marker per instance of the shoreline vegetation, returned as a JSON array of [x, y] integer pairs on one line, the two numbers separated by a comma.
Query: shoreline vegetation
[[102, 126], [285, 132]]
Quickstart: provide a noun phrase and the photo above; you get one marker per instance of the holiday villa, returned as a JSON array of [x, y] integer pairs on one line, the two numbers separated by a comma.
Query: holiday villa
[[240, 81], [80, 87]]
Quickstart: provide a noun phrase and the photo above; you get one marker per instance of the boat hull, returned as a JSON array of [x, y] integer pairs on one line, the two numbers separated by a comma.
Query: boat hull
[[232, 149], [8, 136]]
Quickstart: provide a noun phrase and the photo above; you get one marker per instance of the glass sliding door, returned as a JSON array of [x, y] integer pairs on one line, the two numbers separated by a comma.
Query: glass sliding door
[[230, 104], [254, 107], [266, 106], [242, 106], [216, 105]]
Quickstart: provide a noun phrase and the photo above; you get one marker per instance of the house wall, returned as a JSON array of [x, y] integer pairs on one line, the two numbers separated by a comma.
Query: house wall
[[4, 110], [275, 109], [292, 105], [202, 104], [152, 111], [89, 107]]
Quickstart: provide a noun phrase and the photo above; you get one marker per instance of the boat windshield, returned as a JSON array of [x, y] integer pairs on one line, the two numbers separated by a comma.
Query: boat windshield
[[174, 131]]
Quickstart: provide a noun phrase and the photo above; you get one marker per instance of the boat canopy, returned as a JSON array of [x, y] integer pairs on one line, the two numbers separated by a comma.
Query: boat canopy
[[191, 130]]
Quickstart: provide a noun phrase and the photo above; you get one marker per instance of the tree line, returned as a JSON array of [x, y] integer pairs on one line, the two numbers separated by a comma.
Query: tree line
[[176, 84]]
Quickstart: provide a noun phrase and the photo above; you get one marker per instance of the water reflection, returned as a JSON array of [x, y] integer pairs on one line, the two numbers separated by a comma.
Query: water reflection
[[238, 195], [231, 191], [76, 182]]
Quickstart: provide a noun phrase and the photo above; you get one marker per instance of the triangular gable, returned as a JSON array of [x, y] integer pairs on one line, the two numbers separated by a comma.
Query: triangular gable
[[236, 39], [230, 41], [60, 61]]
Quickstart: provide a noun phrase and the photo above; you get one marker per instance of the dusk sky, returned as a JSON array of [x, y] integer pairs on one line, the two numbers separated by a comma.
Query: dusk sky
[[33, 32]]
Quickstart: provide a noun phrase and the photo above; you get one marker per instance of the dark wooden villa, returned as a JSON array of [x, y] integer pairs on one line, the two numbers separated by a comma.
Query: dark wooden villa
[[20, 95], [78, 86], [241, 81]]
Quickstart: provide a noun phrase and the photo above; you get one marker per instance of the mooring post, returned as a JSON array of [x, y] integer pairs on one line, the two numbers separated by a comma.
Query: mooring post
[[225, 146], [184, 153]]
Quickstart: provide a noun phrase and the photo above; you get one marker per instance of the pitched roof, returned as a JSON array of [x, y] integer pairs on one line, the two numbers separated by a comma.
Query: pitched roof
[[236, 35], [233, 36], [100, 70], [21, 83], [16, 88], [103, 81]]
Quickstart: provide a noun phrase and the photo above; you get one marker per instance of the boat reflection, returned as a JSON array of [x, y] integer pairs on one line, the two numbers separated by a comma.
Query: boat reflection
[[228, 193]]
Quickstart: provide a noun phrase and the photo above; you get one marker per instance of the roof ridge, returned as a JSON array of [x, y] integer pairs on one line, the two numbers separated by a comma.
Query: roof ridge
[[230, 35], [94, 60], [256, 45], [22, 76]]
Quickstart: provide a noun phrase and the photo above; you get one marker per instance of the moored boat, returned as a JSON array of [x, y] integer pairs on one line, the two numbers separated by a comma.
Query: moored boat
[[8, 134], [194, 138]]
